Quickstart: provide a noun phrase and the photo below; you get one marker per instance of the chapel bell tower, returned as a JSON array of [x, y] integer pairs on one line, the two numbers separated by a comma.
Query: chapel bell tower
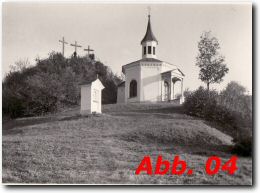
[[149, 42]]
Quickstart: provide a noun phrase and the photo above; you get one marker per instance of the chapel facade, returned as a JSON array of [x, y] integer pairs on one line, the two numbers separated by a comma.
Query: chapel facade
[[150, 79]]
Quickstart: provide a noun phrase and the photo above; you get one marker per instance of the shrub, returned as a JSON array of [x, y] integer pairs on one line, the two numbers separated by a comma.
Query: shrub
[[243, 147], [186, 92], [200, 102], [205, 104], [13, 107], [234, 98]]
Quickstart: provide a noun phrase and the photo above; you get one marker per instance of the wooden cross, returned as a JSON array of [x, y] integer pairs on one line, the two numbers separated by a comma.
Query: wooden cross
[[76, 46], [88, 50], [63, 45]]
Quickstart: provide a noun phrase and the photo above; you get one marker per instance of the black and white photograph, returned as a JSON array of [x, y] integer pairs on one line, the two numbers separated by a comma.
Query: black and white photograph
[[127, 93]]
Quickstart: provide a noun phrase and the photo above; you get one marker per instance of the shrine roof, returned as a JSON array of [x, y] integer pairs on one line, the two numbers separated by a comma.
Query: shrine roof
[[121, 84], [88, 81]]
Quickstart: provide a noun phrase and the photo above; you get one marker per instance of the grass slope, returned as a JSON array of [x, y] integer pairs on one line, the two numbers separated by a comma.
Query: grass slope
[[67, 148]]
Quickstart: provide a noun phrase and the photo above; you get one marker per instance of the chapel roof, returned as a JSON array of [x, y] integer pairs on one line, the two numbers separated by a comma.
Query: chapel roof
[[145, 60], [170, 71], [149, 36], [149, 60], [121, 84], [88, 81]]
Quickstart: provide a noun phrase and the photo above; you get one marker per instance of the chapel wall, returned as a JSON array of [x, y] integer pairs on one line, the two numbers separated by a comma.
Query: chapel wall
[[85, 100], [96, 98], [121, 94], [132, 73], [150, 82]]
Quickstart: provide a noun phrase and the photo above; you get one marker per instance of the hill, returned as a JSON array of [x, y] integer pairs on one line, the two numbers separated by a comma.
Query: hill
[[53, 84], [68, 148]]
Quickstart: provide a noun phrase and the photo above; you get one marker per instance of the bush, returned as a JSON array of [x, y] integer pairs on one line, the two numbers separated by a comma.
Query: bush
[[243, 147], [200, 102], [234, 98], [205, 104], [13, 107], [243, 141]]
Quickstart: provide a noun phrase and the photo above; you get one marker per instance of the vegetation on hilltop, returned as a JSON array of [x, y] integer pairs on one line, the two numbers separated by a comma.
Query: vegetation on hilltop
[[53, 84]]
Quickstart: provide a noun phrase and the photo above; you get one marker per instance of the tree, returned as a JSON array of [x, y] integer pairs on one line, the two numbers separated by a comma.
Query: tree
[[20, 65], [234, 89], [211, 63], [233, 97]]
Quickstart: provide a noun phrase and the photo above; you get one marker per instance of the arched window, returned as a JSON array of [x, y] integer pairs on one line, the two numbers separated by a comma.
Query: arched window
[[133, 88]]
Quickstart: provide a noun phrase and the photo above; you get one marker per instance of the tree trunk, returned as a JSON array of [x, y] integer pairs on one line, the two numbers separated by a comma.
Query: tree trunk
[[208, 86]]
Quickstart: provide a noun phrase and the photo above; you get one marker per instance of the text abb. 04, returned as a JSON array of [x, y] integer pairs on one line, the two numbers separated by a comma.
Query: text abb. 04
[[212, 166]]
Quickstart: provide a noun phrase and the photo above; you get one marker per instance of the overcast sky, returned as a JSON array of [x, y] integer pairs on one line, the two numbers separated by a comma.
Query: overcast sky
[[114, 31]]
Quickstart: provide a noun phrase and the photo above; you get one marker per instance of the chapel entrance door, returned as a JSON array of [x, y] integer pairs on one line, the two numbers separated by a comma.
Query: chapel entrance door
[[166, 91]]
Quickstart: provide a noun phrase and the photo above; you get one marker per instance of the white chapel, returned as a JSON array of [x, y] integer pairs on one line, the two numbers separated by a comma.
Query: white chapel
[[150, 79]]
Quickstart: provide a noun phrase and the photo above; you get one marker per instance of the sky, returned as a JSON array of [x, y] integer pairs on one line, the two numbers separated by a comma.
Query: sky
[[114, 31]]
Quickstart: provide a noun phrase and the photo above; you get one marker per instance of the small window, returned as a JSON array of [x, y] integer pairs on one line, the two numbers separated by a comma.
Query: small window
[[149, 49], [144, 50], [133, 89], [153, 50]]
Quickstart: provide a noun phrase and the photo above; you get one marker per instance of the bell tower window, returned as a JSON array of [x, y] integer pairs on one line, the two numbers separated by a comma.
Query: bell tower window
[[149, 49], [149, 42]]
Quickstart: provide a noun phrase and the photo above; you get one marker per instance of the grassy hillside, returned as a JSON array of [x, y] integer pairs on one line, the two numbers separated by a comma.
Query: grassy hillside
[[68, 148]]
